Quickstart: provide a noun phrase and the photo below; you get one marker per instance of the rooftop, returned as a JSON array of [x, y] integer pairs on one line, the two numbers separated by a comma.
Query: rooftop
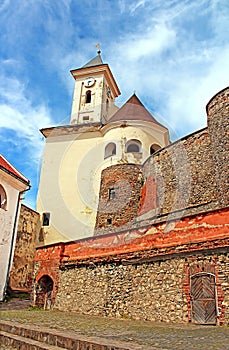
[[9, 168], [133, 109]]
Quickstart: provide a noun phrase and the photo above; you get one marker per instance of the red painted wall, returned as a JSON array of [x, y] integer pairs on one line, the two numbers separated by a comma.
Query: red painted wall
[[196, 230]]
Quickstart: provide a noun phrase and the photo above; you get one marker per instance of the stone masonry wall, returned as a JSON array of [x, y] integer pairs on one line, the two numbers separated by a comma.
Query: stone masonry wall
[[151, 291], [183, 178], [158, 290], [126, 180], [21, 274], [218, 125]]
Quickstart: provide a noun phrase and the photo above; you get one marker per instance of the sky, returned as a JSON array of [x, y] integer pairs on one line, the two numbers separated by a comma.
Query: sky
[[173, 53]]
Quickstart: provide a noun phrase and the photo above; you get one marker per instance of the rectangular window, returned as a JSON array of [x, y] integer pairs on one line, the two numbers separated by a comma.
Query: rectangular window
[[109, 221], [46, 219], [112, 193], [86, 117]]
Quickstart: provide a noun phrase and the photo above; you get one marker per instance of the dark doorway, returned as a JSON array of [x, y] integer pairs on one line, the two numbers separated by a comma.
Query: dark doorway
[[203, 298], [44, 292]]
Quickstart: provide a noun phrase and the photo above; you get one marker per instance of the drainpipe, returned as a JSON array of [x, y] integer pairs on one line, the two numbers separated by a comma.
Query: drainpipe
[[12, 241]]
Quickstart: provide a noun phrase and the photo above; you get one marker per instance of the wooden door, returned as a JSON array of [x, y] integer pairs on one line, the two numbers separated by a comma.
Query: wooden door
[[203, 299]]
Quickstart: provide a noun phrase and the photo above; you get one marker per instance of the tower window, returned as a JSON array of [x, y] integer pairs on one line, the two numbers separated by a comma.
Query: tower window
[[3, 198], [88, 96], [109, 221], [46, 219], [86, 117], [133, 146], [110, 150], [112, 193], [154, 148]]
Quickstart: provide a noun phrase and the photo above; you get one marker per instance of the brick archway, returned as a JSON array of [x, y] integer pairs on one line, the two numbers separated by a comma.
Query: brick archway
[[44, 290]]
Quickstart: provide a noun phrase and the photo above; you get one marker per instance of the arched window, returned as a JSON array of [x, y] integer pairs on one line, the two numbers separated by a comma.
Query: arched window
[[3, 198], [110, 150], [88, 96], [133, 146], [154, 148]]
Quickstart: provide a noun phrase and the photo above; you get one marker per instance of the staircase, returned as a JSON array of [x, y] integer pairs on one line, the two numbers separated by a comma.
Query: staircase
[[24, 337]]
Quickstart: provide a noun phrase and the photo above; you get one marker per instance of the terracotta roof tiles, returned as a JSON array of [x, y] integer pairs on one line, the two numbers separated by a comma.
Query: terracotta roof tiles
[[133, 109], [5, 165]]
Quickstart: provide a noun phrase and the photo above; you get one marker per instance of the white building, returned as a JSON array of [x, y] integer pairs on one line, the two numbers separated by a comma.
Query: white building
[[12, 185], [99, 135]]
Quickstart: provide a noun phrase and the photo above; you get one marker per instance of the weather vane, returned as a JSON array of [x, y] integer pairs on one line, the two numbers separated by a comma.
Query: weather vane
[[98, 47]]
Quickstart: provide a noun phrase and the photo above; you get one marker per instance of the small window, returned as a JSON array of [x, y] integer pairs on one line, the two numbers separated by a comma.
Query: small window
[[46, 219], [86, 117], [110, 150], [112, 193], [3, 198], [88, 96], [109, 221], [133, 146], [154, 148]]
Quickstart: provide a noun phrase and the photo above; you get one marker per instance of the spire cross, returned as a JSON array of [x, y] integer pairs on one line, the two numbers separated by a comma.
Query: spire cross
[[98, 47]]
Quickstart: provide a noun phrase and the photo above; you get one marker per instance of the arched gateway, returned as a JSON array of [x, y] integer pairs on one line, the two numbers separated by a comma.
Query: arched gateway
[[44, 290]]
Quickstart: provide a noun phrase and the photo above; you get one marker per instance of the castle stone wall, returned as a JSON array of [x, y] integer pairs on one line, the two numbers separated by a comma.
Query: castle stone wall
[[156, 290], [128, 291], [21, 274], [183, 178], [126, 180], [218, 125]]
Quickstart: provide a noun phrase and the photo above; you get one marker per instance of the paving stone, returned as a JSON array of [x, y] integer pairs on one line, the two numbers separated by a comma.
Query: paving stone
[[149, 335]]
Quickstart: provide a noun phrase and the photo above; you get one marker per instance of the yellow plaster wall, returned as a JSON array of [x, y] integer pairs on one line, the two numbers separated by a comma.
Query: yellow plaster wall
[[70, 177]]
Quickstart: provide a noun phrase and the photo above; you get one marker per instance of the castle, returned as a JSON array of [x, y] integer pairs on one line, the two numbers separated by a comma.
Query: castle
[[133, 225]]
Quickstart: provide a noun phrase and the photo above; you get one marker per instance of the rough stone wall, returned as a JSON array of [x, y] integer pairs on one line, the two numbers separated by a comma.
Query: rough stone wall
[[158, 290], [151, 291], [218, 125], [184, 177], [21, 274], [141, 273], [126, 180]]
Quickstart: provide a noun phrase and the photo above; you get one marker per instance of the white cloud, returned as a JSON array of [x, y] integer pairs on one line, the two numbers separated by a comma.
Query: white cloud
[[22, 116], [178, 64], [152, 42], [136, 5]]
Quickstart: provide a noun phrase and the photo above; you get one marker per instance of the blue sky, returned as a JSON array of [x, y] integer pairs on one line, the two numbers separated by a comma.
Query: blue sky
[[173, 53]]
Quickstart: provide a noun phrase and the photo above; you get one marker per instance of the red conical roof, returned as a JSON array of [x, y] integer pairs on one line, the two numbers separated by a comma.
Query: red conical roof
[[133, 109]]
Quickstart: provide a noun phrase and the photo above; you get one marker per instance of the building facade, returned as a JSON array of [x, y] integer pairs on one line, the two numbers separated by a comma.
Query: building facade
[[12, 185], [148, 231], [76, 154]]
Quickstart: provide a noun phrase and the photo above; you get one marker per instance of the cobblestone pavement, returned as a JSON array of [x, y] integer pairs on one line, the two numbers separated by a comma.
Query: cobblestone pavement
[[158, 335]]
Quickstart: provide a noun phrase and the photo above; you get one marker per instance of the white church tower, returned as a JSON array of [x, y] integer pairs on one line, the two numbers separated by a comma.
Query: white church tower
[[99, 135], [95, 92]]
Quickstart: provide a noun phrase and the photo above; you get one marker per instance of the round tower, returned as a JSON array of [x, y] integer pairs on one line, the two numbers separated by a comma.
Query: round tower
[[218, 126], [119, 196]]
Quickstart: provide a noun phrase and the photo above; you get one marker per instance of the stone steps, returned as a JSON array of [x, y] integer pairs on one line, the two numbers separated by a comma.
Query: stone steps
[[32, 337], [23, 343]]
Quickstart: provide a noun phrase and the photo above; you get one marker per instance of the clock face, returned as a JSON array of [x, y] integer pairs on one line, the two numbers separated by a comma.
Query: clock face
[[89, 82]]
